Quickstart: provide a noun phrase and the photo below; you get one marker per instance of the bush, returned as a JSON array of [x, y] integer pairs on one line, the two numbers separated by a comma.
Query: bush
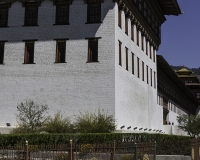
[[58, 124], [30, 117], [95, 123]]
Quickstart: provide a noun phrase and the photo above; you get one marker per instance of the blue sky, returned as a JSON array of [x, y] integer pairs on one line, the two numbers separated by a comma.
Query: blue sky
[[180, 36]]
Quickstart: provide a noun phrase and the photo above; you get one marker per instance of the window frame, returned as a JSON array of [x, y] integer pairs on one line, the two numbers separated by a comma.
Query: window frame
[[120, 53], [126, 58], [28, 7], [29, 55], [126, 24], [63, 6], [4, 11], [133, 63], [138, 67], [90, 53], [132, 31], [119, 17], [58, 58], [89, 7], [2, 49]]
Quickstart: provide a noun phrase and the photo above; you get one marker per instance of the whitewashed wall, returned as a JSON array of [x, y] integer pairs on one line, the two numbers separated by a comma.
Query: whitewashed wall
[[70, 87], [136, 101]]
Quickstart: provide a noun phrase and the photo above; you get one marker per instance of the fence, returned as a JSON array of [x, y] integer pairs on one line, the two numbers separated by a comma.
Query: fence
[[195, 149], [73, 151]]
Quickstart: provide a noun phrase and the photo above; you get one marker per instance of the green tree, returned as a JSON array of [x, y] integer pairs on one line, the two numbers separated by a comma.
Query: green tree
[[30, 117], [58, 124], [190, 124], [95, 123]]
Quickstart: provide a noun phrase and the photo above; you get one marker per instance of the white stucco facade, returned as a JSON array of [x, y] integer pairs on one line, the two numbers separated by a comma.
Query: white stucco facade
[[77, 86]]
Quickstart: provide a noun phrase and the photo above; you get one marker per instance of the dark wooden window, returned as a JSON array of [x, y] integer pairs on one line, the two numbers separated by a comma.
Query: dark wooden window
[[120, 53], [127, 59], [138, 35], [151, 76], [126, 25], [142, 42], [94, 13], [3, 16], [2, 52], [29, 52], [133, 63], [92, 50], [150, 54], [154, 55], [142, 70], [147, 71], [60, 51], [119, 17], [62, 14], [138, 67], [147, 48], [132, 31], [31, 14], [154, 79]]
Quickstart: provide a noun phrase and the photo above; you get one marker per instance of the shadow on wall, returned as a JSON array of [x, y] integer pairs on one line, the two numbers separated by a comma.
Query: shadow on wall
[[79, 26]]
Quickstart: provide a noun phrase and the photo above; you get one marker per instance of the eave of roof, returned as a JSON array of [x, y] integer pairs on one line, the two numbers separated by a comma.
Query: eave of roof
[[170, 7]]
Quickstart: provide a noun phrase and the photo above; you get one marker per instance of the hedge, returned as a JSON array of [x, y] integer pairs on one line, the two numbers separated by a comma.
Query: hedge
[[166, 144]]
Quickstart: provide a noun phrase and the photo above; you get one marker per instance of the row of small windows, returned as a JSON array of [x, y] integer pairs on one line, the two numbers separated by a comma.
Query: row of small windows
[[62, 14], [60, 51], [170, 105], [163, 86], [175, 108], [147, 14], [151, 74], [139, 41]]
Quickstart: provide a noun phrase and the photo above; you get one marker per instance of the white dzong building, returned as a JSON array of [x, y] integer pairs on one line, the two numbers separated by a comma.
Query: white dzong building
[[81, 55]]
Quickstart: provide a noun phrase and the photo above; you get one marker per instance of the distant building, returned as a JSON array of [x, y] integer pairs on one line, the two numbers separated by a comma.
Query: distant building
[[173, 95], [190, 80], [78, 55]]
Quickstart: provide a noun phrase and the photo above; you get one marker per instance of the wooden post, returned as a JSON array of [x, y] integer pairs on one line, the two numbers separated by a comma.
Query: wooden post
[[155, 151], [70, 149], [112, 157], [26, 150]]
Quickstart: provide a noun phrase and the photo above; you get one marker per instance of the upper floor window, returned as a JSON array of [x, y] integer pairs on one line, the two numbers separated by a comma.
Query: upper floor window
[[60, 51], [119, 17], [2, 52], [62, 14], [29, 52], [3, 16], [31, 14], [126, 25], [120, 53], [94, 13], [93, 50]]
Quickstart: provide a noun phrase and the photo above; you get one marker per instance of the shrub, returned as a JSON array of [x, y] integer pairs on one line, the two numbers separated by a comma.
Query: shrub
[[58, 124], [95, 123], [30, 117]]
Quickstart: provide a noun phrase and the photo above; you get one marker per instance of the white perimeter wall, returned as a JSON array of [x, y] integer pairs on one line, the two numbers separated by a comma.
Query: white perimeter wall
[[136, 102], [70, 87]]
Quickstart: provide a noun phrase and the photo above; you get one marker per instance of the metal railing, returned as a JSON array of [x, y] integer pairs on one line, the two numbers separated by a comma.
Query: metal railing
[[73, 151]]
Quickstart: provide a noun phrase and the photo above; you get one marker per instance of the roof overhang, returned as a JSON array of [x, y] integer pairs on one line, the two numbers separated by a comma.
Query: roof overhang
[[170, 7]]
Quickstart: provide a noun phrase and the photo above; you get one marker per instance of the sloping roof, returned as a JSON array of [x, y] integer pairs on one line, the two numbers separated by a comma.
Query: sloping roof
[[170, 7]]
